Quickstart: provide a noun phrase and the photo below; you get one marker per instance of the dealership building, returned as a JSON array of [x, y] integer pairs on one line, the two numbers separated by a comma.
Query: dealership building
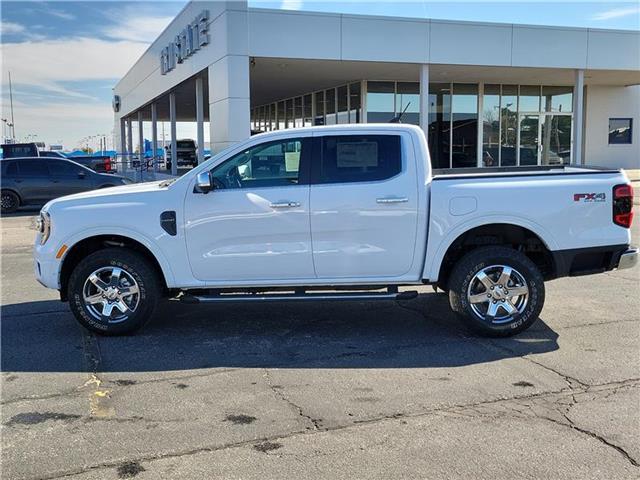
[[485, 94]]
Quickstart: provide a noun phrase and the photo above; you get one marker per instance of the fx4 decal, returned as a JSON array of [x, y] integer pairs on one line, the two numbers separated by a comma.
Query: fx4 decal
[[589, 197]]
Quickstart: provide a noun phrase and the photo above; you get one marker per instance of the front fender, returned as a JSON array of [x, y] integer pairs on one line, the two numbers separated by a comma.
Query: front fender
[[73, 240]]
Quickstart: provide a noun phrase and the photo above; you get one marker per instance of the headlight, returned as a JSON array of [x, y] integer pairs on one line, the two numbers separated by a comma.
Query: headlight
[[43, 225]]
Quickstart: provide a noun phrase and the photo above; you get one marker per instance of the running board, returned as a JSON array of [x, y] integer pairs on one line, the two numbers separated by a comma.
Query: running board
[[274, 297]]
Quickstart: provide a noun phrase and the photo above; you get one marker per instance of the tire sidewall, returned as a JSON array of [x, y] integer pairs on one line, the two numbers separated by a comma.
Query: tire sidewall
[[482, 258], [136, 267]]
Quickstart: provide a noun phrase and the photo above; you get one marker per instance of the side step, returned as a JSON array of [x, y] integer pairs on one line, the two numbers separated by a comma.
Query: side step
[[392, 294]]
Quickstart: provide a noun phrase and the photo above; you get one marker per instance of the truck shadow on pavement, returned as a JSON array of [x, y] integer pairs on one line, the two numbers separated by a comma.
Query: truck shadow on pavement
[[44, 337]]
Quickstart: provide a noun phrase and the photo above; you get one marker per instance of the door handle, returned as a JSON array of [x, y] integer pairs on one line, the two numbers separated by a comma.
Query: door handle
[[386, 200], [285, 204]]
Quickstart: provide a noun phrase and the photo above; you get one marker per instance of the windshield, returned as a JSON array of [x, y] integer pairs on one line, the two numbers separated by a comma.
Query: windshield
[[186, 144]]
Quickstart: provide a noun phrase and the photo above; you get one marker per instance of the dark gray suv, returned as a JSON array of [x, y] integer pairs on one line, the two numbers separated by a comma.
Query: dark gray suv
[[36, 180]]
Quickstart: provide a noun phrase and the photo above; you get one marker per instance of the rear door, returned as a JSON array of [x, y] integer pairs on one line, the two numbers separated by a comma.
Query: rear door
[[33, 180], [364, 205]]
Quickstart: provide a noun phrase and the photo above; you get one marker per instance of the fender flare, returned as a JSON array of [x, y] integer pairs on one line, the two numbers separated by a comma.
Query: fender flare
[[432, 267], [160, 257]]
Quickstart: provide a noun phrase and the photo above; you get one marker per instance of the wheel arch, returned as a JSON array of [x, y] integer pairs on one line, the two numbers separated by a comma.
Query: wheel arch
[[523, 238], [14, 191], [93, 243]]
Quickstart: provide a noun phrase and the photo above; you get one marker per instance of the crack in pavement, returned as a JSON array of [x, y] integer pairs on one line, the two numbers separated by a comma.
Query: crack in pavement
[[315, 424], [479, 409]]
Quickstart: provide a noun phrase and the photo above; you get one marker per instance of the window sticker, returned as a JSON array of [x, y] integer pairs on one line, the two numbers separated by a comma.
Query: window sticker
[[357, 154]]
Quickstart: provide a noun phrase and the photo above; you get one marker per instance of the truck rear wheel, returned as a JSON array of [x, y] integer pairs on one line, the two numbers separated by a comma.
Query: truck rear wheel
[[498, 291], [113, 291]]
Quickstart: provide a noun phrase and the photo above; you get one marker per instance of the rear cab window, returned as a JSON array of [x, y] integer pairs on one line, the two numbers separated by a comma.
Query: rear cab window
[[357, 158]]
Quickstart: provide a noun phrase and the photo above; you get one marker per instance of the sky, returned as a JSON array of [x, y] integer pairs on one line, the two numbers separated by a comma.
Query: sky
[[65, 57]]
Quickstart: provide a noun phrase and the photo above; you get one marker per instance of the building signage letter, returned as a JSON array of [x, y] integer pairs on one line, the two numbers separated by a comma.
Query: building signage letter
[[186, 43]]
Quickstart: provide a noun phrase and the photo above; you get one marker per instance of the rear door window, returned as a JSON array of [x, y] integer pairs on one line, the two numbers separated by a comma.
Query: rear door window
[[33, 168], [357, 158]]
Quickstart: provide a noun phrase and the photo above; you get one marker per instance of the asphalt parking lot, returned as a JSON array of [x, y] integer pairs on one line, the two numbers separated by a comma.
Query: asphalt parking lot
[[331, 390]]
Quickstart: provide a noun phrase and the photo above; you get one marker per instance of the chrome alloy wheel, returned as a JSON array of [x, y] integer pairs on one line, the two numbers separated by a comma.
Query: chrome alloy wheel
[[497, 293], [111, 294]]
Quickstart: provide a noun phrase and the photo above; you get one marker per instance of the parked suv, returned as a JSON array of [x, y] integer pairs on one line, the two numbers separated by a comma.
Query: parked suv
[[36, 180]]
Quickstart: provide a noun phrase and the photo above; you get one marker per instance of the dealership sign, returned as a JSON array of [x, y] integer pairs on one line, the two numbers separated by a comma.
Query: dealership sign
[[193, 37]]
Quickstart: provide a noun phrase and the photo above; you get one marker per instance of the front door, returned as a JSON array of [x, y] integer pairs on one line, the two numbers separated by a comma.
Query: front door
[[364, 206], [67, 177], [254, 226]]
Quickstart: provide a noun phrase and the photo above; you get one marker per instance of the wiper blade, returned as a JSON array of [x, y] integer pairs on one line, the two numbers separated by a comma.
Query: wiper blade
[[166, 183]]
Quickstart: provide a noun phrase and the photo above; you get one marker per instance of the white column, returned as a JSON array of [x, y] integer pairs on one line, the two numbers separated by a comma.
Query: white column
[[424, 98], [154, 135], [174, 140], [229, 103], [200, 118], [140, 141], [229, 89], [578, 115], [127, 160], [123, 136], [480, 124]]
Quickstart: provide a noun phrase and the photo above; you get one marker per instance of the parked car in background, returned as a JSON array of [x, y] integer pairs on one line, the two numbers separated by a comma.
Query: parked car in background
[[97, 163], [34, 180], [13, 150], [52, 154], [186, 153]]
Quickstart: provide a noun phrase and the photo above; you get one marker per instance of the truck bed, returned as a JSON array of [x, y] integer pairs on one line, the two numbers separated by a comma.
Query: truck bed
[[534, 170]]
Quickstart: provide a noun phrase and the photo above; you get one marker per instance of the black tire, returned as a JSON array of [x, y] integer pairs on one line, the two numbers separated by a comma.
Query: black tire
[[483, 260], [133, 266], [10, 201]]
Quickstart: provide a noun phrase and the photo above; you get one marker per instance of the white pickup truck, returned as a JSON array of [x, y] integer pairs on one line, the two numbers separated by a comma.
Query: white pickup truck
[[333, 213]]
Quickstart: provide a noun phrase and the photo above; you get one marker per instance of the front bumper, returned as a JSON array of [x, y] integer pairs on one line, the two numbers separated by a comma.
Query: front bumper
[[629, 258]]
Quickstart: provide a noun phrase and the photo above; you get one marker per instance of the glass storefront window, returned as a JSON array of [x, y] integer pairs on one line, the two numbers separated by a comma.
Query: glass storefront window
[[330, 106], [556, 140], [491, 126], [464, 108], [290, 116], [529, 98], [439, 124], [307, 110], [355, 103], [408, 101], [281, 116], [343, 112], [380, 101], [557, 99], [509, 125], [319, 99], [298, 111]]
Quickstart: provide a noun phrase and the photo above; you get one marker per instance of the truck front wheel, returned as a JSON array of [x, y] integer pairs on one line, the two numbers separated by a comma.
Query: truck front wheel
[[497, 290], [113, 291]]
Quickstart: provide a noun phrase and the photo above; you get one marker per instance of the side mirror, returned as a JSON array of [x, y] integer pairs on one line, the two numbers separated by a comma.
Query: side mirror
[[204, 182]]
